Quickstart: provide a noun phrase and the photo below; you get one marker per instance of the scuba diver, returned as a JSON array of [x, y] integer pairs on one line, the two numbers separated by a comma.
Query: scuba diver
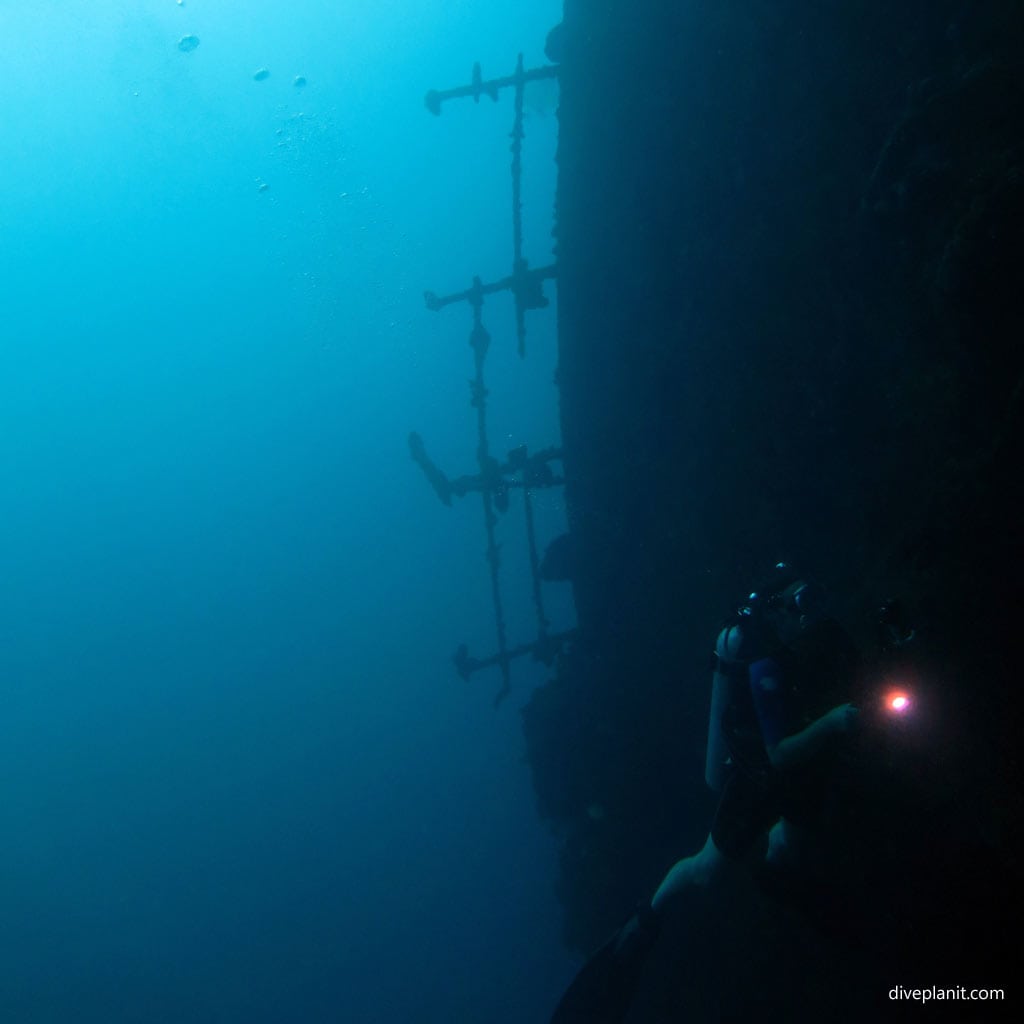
[[783, 672]]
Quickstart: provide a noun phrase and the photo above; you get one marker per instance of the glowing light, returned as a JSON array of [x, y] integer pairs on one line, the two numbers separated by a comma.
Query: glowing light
[[897, 702]]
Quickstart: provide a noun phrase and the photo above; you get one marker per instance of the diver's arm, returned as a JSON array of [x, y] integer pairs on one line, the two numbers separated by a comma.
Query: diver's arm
[[802, 746], [788, 750]]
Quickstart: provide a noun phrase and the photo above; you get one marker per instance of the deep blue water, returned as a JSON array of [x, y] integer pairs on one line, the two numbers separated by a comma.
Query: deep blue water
[[239, 779]]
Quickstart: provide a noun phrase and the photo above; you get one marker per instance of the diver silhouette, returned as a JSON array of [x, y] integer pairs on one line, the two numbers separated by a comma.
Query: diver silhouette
[[783, 672]]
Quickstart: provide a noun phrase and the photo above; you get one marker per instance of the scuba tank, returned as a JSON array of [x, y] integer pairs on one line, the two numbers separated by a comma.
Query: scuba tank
[[744, 638], [739, 643], [728, 672]]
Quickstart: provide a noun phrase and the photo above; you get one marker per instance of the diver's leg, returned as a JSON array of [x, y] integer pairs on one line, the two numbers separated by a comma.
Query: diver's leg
[[784, 842], [702, 869], [746, 810], [603, 989]]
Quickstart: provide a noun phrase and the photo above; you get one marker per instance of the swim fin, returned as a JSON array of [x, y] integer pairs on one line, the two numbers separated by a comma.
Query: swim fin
[[603, 990]]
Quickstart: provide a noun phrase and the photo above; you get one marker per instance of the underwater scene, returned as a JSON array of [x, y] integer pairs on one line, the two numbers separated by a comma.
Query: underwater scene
[[511, 511]]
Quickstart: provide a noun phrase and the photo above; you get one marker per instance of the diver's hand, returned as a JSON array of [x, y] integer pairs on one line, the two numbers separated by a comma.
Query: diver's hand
[[843, 719], [822, 733]]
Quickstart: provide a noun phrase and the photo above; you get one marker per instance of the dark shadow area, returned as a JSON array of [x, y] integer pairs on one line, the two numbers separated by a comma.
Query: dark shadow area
[[790, 286]]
